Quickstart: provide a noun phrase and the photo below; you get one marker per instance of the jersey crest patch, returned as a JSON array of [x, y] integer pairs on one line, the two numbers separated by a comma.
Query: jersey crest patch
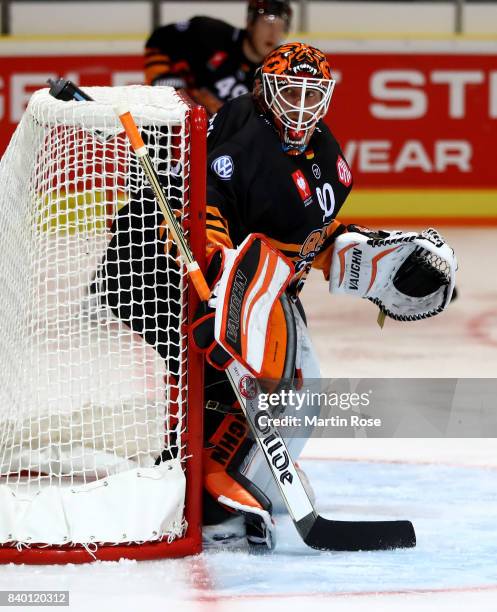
[[343, 171], [224, 167], [302, 187]]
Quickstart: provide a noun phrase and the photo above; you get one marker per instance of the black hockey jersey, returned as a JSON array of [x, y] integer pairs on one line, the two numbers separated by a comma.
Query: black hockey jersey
[[203, 56], [253, 186]]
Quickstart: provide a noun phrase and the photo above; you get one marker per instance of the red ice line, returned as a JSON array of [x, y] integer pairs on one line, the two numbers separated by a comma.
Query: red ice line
[[433, 591], [479, 327]]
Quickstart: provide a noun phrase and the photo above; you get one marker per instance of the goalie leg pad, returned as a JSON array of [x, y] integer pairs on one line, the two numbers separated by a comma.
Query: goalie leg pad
[[254, 466], [226, 485]]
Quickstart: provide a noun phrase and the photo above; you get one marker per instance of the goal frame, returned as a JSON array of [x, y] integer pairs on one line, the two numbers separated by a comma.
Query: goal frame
[[191, 542]]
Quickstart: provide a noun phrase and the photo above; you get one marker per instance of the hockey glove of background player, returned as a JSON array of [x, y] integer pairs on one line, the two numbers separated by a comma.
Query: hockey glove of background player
[[410, 276]]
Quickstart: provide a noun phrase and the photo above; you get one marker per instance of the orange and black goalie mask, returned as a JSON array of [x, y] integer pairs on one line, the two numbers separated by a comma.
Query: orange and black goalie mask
[[295, 89]]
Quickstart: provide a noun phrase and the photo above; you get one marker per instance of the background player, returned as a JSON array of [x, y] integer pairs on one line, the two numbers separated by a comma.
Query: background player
[[211, 59]]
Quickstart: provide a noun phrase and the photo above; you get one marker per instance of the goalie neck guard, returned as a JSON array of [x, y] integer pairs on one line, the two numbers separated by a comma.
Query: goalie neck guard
[[294, 88]]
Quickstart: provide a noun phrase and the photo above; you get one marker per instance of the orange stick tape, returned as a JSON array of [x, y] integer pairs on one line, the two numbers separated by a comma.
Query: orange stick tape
[[200, 284], [131, 130]]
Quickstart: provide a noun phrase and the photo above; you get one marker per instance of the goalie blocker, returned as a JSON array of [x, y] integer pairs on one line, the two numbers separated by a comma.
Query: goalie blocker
[[409, 276]]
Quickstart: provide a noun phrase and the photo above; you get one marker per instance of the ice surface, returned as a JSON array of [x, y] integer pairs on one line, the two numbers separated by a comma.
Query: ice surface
[[453, 510]]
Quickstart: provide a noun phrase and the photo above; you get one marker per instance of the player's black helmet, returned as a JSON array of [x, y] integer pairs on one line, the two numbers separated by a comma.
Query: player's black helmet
[[278, 8]]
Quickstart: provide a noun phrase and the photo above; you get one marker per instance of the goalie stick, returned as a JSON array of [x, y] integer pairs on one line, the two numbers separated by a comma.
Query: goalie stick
[[316, 531]]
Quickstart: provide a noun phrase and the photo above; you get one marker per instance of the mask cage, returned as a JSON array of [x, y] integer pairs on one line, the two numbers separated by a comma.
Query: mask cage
[[297, 115]]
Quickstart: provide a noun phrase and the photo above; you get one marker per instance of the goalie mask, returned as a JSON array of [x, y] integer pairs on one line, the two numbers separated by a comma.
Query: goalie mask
[[295, 90]]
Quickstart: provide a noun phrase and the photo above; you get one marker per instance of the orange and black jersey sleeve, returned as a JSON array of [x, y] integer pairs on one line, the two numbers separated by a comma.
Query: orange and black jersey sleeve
[[202, 55], [253, 186]]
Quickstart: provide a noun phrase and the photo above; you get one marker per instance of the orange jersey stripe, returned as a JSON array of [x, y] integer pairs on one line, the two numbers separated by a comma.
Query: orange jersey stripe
[[215, 239], [156, 57], [152, 72], [285, 246], [216, 229], [217, 223]]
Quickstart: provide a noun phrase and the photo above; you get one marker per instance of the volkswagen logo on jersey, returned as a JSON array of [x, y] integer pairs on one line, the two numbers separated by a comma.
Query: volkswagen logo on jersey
[[223, 166], [316, 170]]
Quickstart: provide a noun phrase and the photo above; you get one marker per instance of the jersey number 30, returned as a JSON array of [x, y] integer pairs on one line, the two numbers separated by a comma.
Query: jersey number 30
[[326, 199]]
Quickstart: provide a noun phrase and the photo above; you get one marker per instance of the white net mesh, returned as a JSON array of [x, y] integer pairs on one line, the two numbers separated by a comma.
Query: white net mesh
[[93, 373]]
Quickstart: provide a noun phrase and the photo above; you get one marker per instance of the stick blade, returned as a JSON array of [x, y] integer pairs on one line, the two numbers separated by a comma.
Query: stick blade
[[360, 535]]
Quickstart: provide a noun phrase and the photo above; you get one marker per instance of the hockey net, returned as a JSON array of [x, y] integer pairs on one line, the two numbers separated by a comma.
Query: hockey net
[[100, 396]]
